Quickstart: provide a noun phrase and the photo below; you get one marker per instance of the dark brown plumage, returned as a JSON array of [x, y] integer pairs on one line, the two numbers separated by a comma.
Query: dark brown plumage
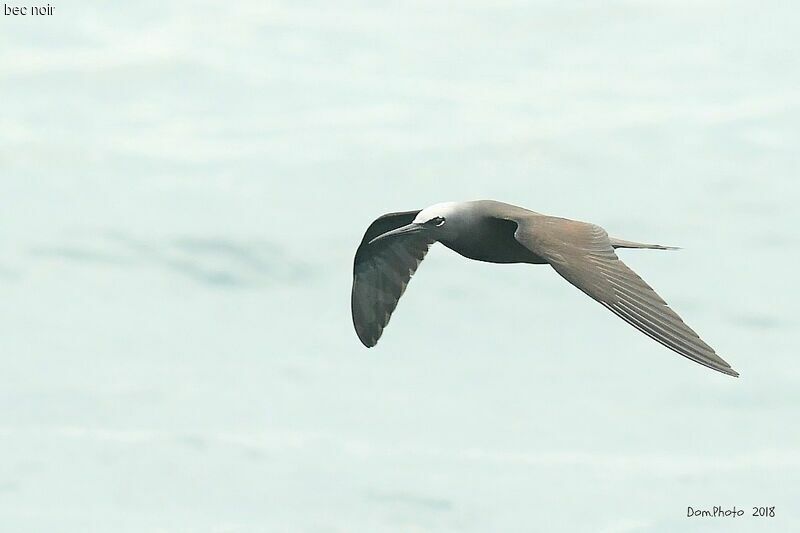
[[490, 231]]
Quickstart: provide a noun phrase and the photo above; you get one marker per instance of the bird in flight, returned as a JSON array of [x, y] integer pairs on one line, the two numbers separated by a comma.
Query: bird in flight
[[495, 232]]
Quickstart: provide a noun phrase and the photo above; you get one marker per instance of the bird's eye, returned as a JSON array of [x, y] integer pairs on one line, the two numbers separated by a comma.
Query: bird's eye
[[438, 222]]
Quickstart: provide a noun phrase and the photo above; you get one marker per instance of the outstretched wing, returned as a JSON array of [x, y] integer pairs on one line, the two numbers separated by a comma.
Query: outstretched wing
[[381, 271], [583, 254]]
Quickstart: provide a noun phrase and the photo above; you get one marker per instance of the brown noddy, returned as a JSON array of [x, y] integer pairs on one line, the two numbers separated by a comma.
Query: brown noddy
[[495, 232]]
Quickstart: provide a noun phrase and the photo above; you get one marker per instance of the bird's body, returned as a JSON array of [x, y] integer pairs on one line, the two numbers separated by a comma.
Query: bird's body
[[495, 232], [486, 238]]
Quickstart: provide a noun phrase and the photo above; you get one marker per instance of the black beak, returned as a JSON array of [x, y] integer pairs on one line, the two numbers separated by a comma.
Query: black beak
[[402, 230]]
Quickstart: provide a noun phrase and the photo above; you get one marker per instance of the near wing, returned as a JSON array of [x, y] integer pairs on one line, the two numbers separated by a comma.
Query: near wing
[[582, 253], [381, 271]]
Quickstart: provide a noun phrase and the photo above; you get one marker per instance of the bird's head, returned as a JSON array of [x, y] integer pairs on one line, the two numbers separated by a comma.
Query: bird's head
[[438, 221]]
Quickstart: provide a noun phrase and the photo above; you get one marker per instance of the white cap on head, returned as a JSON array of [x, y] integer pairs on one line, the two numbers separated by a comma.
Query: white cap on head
[[443, 209]]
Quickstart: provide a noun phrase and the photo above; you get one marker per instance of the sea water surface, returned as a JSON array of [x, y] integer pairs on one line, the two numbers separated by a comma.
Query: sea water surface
[[183, 185]]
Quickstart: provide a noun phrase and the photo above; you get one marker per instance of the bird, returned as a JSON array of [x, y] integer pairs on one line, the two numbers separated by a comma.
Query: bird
[[495, 232]]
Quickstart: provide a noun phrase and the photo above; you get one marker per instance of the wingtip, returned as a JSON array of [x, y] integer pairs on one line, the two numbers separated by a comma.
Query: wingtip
[[368, 342], [367, 338], [726, 370]]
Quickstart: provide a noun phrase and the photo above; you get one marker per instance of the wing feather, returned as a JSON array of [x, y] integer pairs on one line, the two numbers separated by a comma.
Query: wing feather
[[381, 272], [583, 254]]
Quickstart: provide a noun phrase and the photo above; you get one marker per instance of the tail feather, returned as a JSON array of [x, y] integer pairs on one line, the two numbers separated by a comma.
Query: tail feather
[[619, 243]]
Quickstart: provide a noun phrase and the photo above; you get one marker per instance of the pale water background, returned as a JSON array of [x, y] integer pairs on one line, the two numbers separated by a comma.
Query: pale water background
[[182, 188]]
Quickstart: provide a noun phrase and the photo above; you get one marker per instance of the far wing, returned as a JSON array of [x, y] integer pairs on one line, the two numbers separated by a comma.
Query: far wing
[[381, 272], [582, 253]]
